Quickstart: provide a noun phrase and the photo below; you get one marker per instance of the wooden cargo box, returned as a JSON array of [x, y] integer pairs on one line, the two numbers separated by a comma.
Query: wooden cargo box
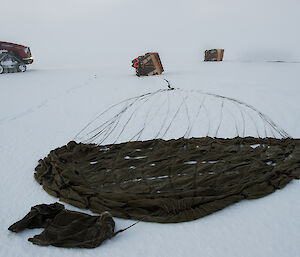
[[148, 65], [214, 55]]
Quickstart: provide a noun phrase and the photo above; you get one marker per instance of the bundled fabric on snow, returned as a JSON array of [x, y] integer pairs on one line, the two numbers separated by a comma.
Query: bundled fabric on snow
[[148, 65], [168, 181], [214, 55], [64, 228]]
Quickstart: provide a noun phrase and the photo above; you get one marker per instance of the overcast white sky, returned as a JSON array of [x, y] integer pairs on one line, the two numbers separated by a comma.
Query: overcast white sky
[[94, 30]]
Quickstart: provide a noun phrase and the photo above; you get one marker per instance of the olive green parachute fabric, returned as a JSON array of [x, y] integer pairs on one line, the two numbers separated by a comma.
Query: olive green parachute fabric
[[168, 181], [64, 228]]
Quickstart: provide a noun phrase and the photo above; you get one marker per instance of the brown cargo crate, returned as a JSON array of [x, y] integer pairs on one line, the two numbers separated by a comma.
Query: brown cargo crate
[[214, 55], [148, 64]]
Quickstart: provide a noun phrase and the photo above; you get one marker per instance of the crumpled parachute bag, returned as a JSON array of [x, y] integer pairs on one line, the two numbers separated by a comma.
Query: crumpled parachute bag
[[64, 228]]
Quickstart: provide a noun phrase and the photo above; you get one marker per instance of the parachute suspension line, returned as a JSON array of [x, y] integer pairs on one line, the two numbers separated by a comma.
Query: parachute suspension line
[[174, 112]]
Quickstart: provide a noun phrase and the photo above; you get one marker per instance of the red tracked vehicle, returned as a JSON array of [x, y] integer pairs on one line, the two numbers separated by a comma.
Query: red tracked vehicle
[[14, 57]]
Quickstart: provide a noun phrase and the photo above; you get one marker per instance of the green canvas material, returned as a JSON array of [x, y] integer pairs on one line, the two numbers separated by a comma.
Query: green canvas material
[[168, 181]]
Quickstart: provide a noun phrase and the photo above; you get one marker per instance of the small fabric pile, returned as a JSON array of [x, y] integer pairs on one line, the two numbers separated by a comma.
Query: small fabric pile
[[64, 228]]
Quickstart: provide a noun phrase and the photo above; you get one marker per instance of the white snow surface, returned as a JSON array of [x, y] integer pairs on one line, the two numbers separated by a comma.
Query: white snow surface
[[83, 52]]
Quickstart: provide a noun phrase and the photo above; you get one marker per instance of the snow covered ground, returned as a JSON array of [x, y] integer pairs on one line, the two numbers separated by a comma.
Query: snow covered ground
[[83, 51]]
